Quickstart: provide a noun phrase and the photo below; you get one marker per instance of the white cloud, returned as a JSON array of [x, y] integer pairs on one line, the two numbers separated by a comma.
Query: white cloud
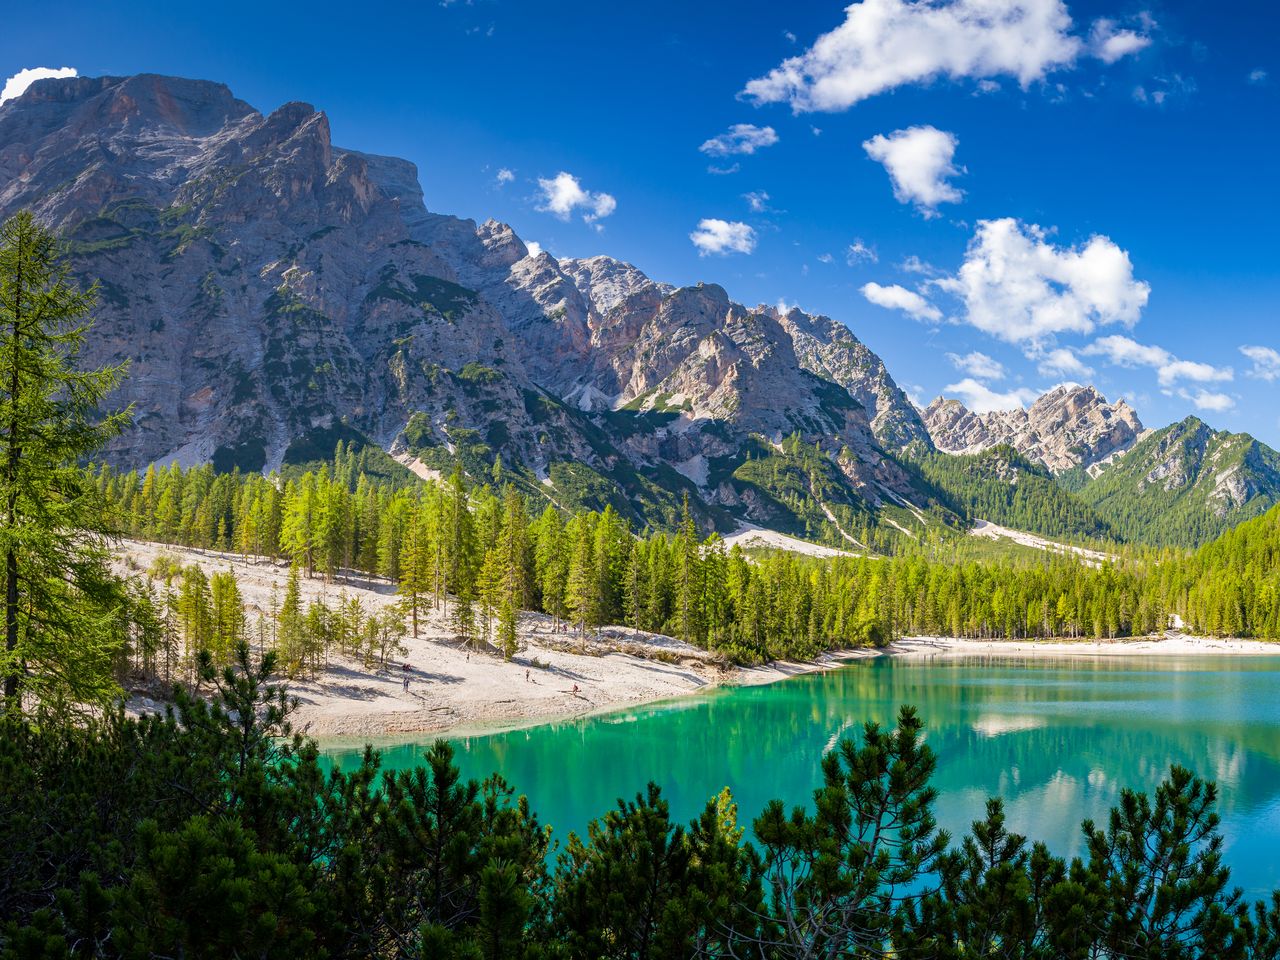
[[723, 237], [724, 171], [978, 365], [1109, 43], [894, 297], [505, 176], [1266, 362], [914, 264], [826, 258], [757, 200], [741, 138], [17, 85], [1124, 352], [858, 252], [1062, 362], [918, 160], [534, 247], [1205, 400], [1258, 76], [1019, 287], [884, 44], [564, 194], [980, 398]]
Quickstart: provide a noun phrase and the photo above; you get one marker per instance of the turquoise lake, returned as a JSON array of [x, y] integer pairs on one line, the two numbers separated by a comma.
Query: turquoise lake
[[1057, 738]]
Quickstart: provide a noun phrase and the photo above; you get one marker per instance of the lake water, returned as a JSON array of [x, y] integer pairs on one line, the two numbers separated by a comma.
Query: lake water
[[1058, 739]]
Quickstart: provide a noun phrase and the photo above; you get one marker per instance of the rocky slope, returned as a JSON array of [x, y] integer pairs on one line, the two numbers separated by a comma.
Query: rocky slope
[[274, 292], [1070, 426], [1184, 485]]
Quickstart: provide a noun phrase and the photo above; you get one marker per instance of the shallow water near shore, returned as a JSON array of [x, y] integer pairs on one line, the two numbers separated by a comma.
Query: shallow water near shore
[[1058, 738]]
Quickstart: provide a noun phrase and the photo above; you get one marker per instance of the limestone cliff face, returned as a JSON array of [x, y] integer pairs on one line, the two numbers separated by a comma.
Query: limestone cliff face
[[268, 286], [829, 349], [1070, 426]]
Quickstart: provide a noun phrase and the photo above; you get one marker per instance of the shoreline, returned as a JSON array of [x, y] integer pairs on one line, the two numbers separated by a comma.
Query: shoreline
[[1181, 646], [1161, 645], [520, 717], [556, 676]]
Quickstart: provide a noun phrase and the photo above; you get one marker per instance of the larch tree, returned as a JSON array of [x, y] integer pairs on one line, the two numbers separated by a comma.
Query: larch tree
[[61, 601]]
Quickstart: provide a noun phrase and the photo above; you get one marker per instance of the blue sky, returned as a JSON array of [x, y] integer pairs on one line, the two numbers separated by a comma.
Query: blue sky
[[1083, 190]]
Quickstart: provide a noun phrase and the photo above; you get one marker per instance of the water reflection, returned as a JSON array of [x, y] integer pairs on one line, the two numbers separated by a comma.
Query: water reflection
[[1058, 739]]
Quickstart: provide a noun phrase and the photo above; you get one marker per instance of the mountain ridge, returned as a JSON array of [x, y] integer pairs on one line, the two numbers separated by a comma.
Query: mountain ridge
[[274, 291], [267, 284], [1068, 426], [1184, 485]]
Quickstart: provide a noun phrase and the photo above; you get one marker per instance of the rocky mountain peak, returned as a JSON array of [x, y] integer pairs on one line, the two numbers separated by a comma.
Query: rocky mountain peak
[[829, 349], [1066, 427], [606, 282], [276, 292]]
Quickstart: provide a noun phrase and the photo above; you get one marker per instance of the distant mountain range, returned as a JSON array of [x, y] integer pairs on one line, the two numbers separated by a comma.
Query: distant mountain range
[[1069, 427], [277, 294]]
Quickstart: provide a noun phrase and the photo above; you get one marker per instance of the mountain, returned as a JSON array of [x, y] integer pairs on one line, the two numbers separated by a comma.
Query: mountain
[[1183, 485], [1004, 487], [1070, 426], [276, 293]]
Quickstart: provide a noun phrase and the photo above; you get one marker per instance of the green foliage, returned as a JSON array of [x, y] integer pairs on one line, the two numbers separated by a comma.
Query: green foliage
[[355, 455], [63, 608], [431, 295], [1002, 486], [214, 832], [1166, 490]]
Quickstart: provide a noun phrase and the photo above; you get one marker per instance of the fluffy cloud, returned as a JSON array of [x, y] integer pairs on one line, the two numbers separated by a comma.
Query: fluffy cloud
[[980, 398], [1257, 76], [17, 85], [741, 138], [1266, 362], [505, 176], [1019, 287], [978, 365], [884, 44], [534, 247], [723, 237], [563, 194], [757, 200], [914, 264], [1062, 362], [894, 297], [1109, 43], [858, 252], [1205, 400], [918, 160], [1124, 352]]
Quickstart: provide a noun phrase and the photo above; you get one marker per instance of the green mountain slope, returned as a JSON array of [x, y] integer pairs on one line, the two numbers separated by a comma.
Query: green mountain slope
[[1184, 485], [1005, 487]]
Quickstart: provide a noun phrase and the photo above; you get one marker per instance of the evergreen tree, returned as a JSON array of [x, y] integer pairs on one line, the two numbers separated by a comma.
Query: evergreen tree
[[60, 598]]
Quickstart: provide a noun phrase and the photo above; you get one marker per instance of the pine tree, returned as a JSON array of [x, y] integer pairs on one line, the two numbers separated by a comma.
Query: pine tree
[[227, 609], [582, 592], [290, 639], [550, 564], [463, 617], [60, 598]]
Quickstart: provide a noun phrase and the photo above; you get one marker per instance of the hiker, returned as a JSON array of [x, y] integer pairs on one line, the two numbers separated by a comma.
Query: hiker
[[575, 689], [526, 676], [406, 683]]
